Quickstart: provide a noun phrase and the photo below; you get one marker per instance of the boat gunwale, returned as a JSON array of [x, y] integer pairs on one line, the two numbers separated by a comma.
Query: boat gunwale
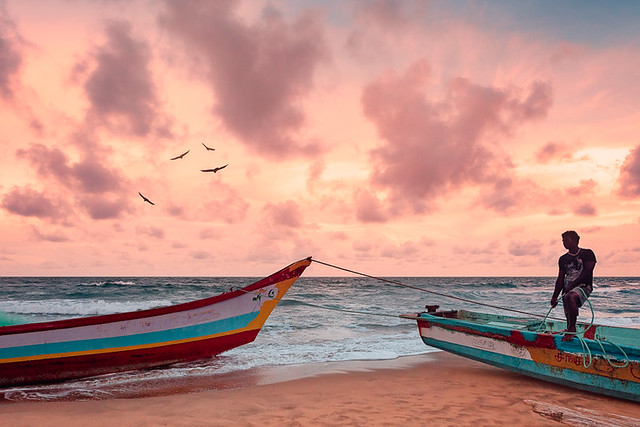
[[457, 321], [283, 274]]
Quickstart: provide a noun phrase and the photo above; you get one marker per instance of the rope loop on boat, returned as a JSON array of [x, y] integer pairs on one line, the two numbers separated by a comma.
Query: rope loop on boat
[[586, 351]]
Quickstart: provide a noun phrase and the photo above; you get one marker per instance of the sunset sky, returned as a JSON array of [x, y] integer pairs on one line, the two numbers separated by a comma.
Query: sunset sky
[[397, 138]]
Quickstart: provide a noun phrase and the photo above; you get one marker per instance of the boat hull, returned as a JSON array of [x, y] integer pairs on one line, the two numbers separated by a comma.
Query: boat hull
[[75, 348], [540, 355]]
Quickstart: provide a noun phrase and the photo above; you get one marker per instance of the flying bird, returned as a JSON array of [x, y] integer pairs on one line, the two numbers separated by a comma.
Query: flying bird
[[181, 155], [214, 170], [208, 148], [145, 199]]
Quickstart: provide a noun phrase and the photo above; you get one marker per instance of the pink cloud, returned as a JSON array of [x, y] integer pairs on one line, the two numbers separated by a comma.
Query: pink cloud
[[381, 24], [230, 206], [200, 255], [369, 208], [529, 248], [435, 146], [554, 151], [585, 209], [314, 173], [286, 214], [120, 87], [10, 55], [505, 194], [210, 234], [50, 236], [151, 231], [259, 73], [406, 249], [586, 187], [629, 178], [31, 203]]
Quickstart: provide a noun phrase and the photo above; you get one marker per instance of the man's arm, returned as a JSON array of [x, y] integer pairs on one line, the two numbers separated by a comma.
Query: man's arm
[[558, 288]]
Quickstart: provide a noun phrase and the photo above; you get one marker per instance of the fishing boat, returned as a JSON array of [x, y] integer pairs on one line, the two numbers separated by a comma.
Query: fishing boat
[[600, 359], [81, 347]]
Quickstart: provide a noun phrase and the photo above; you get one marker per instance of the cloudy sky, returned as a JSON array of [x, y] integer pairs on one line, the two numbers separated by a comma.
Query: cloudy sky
[[398, 138]]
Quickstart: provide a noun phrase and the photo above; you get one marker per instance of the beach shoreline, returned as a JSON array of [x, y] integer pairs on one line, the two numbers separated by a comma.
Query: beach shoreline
[[433, 388]]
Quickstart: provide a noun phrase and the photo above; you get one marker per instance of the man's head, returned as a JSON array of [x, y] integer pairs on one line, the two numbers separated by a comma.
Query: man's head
[[570, 239]]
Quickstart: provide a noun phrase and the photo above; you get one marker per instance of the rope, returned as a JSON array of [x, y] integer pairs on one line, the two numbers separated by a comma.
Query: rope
[[393, 282], [585, 346], [583, 343], [326, 307], [599, 341]]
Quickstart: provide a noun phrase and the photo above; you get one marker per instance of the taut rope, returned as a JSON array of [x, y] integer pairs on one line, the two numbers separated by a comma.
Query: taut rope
[[585, 348], [394, 282]]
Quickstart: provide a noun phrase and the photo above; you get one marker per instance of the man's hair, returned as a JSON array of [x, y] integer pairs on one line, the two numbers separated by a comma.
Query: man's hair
[[572, 235]]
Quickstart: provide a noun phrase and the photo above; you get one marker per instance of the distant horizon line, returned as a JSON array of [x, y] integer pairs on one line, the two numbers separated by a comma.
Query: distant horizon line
[[312, 276]]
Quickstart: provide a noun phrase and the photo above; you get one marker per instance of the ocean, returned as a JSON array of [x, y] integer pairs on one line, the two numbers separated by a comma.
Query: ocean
[[320, 320]]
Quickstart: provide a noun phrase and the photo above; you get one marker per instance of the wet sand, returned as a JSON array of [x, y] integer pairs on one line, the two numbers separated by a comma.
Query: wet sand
[[430, 389]]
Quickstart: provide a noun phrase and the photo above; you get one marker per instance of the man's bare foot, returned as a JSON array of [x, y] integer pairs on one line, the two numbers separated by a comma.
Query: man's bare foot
[[568, 336]]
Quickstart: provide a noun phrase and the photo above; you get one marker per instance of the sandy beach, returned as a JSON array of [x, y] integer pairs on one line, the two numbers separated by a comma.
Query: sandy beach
[[430, 389]]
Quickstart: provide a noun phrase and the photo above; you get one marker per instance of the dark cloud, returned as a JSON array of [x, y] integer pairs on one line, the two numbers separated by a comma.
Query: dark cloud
[[104, 206], [259, 73], [96, 188], [10, 55], [120, 87], [88, 175], [435, 146], [32, 203], [629, 178]]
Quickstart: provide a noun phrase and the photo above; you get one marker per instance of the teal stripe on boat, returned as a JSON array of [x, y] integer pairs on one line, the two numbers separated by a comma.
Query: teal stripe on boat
[[573, 346], [589, 382], [188, 332]]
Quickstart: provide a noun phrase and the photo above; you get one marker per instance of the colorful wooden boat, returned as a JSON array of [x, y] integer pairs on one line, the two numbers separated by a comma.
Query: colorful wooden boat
[[600, 359], [81, 347]]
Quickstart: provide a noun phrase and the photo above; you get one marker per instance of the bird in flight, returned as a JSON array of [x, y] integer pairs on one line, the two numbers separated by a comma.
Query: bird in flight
[[214, 170], [145, 199], [208, 148], [181, 155]]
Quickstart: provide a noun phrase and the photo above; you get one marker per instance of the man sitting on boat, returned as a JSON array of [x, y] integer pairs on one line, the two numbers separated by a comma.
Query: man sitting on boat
[[575, 279]]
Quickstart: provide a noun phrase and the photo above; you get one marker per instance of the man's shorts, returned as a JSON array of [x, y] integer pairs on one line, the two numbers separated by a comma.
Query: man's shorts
[[582, 296]]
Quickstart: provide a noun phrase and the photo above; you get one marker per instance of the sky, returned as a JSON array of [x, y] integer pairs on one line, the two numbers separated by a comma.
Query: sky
[[395, 138]]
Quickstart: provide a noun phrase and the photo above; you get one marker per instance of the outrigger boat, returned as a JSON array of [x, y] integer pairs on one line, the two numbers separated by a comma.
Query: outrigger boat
[[81, 347], [600, 359]]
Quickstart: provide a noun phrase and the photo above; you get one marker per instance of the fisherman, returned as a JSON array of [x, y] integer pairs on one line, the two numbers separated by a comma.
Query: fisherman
[[575, 279]]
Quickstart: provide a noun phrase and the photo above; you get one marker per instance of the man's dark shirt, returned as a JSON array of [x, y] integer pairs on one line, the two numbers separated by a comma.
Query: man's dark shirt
[[572, 266]]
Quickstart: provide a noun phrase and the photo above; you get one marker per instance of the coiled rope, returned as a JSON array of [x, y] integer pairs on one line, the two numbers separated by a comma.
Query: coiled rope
[[585, 346]]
